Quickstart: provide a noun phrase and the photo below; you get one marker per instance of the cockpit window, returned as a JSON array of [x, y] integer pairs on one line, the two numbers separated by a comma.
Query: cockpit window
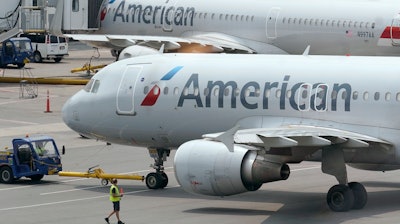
[[95, 86], [89, 85], [92, 86]]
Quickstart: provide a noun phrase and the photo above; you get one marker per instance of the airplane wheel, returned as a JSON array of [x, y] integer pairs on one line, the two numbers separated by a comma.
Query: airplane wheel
[[340, 198], [6, 175], [360, 195], [153, 180], [164, 178]]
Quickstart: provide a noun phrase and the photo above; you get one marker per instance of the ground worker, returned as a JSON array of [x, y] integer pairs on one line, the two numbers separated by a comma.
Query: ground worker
[[115, 197]]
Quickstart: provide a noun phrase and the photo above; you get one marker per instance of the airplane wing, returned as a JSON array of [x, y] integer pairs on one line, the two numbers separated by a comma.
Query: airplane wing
[[295, 136], [193, 42]]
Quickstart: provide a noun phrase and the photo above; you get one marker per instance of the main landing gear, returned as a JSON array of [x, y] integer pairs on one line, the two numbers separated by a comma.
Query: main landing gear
[[158, 179], [343, 196]]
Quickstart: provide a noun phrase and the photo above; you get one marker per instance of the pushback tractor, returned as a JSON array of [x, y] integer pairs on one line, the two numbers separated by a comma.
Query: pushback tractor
[[31, 157]]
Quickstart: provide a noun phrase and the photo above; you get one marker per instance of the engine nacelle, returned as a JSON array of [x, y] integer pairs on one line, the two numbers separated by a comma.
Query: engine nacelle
[[136, 50], [209, 168]]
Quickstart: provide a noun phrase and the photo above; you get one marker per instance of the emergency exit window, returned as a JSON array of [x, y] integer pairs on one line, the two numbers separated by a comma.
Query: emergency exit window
[[75, 5]]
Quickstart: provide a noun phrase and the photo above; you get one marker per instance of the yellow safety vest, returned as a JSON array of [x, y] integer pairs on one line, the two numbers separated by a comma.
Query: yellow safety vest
[[114, 199]]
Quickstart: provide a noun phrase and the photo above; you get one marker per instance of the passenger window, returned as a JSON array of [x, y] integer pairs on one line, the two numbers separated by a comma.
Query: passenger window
[[176, 91], [398, 96], [344, 95], [237, 92], [267, 93], [376, 96], [288, 93], [146, 90], [334, 95], [166, 91], [206, 91], [278, 93], [185, 91], [366, 95], [388, 96], [226, 92], [216, 91], [355, 95]]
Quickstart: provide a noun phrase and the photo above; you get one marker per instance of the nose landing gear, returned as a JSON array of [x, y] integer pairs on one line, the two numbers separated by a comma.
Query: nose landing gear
[[158, 179]]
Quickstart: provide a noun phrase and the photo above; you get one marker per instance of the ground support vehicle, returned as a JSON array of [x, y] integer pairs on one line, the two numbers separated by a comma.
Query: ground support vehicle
[[31, 157], [17, 51], [47, 46]]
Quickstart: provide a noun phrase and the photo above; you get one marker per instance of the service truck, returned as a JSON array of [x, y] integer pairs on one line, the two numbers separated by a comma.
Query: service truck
[[31, 157]]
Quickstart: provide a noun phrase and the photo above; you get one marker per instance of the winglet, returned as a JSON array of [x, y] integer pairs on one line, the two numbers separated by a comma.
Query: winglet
[[306, 51], [227, 137]]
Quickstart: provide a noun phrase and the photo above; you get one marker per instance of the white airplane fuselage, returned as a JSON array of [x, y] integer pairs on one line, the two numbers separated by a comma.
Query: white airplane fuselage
[[355, 27], [163, 101], [238, 120]]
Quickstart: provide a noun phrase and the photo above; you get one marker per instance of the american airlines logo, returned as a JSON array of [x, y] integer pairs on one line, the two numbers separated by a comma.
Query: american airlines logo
[[152, 97], [157, 15], [299, 96], [253, 95]]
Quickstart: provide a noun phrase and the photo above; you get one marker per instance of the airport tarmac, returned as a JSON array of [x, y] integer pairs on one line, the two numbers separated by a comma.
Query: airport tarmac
[[66, 200]]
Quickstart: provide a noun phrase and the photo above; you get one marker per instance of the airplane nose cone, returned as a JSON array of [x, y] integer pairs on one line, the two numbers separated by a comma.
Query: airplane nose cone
[[70, 114]]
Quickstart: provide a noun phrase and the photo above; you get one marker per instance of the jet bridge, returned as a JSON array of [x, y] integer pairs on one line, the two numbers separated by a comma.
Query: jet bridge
[[49, 16], [25, 16], [74, 16]]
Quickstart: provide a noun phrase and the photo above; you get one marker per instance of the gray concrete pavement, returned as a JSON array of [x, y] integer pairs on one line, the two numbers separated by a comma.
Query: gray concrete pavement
[[65, 200]]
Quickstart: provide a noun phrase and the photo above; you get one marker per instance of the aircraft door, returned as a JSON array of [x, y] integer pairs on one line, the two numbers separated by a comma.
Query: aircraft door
[[78, 17], [168, 20], [271, 22], [395, 31], [125, 96]]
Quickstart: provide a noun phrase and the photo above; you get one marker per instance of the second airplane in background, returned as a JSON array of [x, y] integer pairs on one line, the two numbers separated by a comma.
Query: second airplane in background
[[340, 27]]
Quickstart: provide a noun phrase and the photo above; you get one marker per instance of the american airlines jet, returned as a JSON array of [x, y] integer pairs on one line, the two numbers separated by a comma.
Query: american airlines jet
[[238, 121], [340, 27]]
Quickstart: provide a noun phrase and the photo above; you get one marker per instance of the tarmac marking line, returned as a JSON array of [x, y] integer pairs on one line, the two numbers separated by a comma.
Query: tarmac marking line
[[69, 201]]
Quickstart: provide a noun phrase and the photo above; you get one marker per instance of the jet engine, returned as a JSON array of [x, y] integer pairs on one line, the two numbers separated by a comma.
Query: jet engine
[[209, 168], [136, 50]]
